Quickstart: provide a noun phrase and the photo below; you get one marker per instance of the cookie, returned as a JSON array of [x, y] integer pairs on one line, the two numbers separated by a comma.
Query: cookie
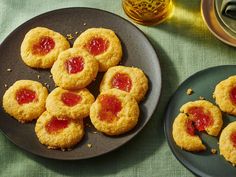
[[25, 100], [41, 47], [184, 136], [73, 104], [114, 112], [74, 69], [103, 44], [205, 116], [225, 95], [227, 143], [129, 79], [58, 132]]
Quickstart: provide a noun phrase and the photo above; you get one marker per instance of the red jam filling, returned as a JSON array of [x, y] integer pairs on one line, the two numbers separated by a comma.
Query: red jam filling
[[74, 65], [110, 107], [232, 95], [97, 46], [122, 82], [70, 99], [201, 119], [190, 128], [55, 124], [233, 138], [24, 96], [44, 46]]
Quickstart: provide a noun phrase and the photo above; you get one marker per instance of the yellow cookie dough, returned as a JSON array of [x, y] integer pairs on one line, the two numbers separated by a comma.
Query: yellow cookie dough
[[76, 104], [226, 145], [126, 118], [63, 78], [209, 109], [222, 95], [63, 138], [42, 36], [139, 82], [25, 112], [181, 136], [113, 50]]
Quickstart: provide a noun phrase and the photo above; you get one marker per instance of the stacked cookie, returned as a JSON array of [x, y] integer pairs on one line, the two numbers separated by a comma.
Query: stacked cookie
[[60, 114], [201, 115]]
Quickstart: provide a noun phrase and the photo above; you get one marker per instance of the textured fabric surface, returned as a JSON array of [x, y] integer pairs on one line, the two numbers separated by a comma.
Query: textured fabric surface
[[184, 46]]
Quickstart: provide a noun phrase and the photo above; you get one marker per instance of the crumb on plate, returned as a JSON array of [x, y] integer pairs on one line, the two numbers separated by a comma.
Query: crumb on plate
[[213, 151], [189, 91], [201, 98], [69, 36]]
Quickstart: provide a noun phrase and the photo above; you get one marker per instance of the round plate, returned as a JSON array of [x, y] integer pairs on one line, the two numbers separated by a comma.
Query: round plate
[[203, 84], [137, 52], [218, 29], [228, 22]]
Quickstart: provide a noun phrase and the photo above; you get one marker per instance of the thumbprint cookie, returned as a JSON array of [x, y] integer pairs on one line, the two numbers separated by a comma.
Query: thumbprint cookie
[[114, 112], [73, 104], [205, 116], [58, 132], [25, 100], [129, 79], [103, 44], [74, 69], [225, 95], [184, 134], [41, 47], [227, 143]]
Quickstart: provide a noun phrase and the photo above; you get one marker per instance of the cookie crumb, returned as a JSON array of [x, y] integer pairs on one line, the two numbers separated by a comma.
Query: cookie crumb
[[233, 164], [85, 24], [47, 85], [5, 85], [88, 125], [201, 98], [38, 76], [69, 36], [9, 69], [89, 145], [76, 32], [189, 91], [213, 151], [50, 76], [94, 132]]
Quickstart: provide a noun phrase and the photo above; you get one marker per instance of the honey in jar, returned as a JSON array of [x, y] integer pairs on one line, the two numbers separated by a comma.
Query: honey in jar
[[148, 12]]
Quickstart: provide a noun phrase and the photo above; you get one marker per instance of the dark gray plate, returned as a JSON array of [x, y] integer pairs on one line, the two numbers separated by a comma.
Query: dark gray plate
[[203, 83], [137, 52]]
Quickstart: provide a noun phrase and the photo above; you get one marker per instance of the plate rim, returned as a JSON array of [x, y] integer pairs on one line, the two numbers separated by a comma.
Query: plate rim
[[182, 161], [210, 28], [157, 63], [227, 28]]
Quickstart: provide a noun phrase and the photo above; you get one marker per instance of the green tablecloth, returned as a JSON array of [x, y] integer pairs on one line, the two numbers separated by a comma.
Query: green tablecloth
[[184, 46]]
